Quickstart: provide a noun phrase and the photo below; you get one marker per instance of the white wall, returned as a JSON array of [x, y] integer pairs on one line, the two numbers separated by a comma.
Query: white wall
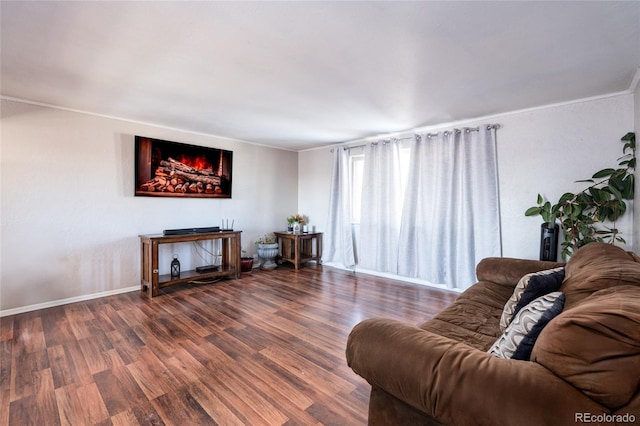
[[69, 220], [542, 150]]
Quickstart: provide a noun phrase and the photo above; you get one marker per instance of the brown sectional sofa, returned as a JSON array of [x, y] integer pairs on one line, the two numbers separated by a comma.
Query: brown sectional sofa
[[584, 367]]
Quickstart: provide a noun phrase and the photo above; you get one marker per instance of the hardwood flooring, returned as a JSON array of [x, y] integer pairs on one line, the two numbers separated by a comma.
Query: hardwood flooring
[[265, 349]]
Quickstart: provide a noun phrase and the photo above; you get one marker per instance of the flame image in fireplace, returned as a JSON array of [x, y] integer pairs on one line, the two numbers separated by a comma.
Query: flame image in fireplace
[[200, 162], [174, 169]]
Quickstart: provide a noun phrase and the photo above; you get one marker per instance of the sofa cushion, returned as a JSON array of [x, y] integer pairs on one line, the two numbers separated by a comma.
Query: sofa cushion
[[597, 266], [595, 346], [473, 317], [530, 287], [518, 339]]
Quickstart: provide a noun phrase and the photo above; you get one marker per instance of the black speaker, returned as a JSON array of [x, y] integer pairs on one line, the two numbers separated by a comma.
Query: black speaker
[[549, 241]]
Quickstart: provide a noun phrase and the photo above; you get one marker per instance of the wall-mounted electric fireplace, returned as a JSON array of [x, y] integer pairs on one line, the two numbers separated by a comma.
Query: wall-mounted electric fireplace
[[172, 169]]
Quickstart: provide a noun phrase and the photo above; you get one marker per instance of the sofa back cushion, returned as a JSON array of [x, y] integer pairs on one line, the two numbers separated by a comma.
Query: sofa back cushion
[[595, 346], [597, 266], [508, 271]]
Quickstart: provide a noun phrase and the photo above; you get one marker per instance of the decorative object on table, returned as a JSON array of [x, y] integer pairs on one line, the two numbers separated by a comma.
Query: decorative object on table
[[296, 222], [246, 262], [591, 214], [175, 267], [268, 249]]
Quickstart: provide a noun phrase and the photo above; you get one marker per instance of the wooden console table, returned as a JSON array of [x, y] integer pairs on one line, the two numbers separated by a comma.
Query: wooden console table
[[298, 248], [150, 279]]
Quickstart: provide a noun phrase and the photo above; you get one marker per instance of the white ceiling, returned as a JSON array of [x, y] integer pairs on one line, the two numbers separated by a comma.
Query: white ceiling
[[301, 74]]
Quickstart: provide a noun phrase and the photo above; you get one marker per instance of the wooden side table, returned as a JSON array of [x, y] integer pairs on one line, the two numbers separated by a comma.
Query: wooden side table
[[299, 247]]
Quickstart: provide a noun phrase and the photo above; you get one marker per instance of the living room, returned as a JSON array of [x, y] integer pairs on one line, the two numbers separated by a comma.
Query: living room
[[70, 220]]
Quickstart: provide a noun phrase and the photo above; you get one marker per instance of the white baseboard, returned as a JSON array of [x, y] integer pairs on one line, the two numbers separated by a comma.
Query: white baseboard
[[53, 303]]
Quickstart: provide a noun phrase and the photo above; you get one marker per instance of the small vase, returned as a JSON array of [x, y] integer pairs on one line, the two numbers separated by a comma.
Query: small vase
[[290, 229], [268, 253], [296, 227]]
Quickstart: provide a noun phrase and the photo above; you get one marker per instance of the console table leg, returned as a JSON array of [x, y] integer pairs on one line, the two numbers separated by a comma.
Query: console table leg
[[155, 272]]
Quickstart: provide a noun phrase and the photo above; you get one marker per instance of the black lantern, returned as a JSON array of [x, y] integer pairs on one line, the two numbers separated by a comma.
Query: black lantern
[[175, 267]]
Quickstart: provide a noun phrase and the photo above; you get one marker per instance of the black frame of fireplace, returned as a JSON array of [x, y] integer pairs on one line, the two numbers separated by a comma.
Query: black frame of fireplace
[[174, 169]]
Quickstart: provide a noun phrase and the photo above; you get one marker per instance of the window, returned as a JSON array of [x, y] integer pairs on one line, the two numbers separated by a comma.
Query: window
[[357, 171]]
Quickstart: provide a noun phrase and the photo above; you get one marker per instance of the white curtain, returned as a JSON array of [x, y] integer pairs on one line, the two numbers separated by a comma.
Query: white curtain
[[381, 207], [451, 217], [339, 241]]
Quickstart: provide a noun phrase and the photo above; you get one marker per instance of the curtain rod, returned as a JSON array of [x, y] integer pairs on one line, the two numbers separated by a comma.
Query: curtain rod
[[428, 135]]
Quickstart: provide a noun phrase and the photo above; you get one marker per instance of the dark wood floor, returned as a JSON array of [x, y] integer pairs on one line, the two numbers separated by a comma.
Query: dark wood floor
[[265, 349]]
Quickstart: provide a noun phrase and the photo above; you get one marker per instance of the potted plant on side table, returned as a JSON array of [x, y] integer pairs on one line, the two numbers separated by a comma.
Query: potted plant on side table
[[296, 222]]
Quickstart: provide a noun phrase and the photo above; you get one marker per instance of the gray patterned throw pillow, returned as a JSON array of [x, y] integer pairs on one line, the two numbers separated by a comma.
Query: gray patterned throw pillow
[[530, 287], [518, 339]]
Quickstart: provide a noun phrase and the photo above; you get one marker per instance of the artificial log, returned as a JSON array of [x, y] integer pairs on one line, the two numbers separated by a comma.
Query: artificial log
[[214, 180], [175, 168], [174, 176], [174, 164]]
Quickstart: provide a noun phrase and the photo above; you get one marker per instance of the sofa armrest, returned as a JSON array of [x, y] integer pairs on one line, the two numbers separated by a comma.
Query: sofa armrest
[[508, 271], [457, 384]]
